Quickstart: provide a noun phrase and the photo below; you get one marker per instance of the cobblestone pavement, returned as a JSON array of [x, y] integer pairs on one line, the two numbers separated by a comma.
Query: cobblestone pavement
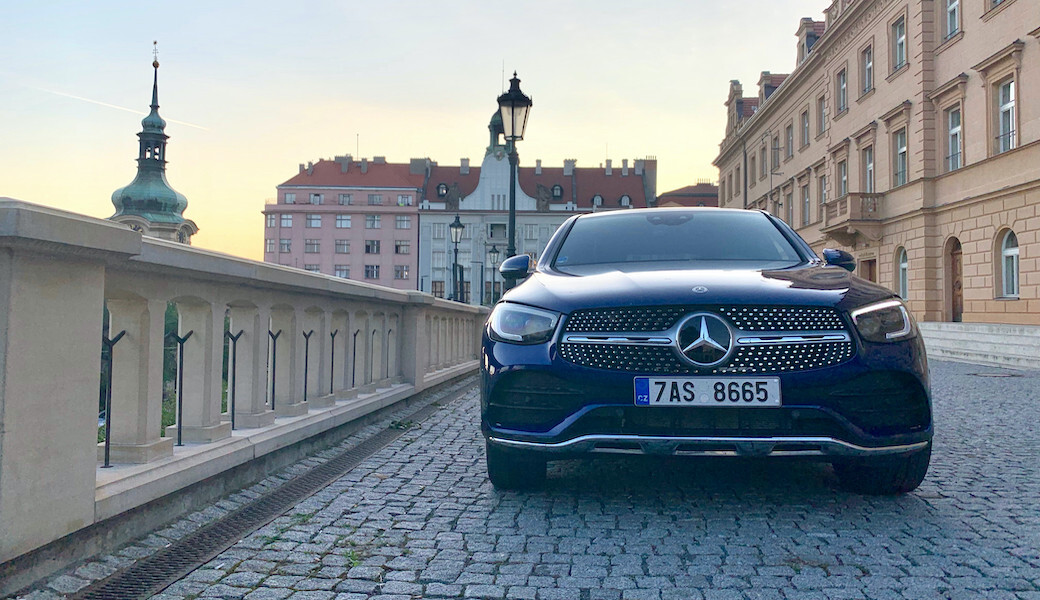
[[420, 520]]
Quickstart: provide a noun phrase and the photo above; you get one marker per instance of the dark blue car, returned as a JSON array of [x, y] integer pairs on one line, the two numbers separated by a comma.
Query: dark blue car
[[701, 332]]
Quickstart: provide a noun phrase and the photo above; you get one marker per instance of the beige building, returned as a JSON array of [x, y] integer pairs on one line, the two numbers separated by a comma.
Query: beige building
[[908, 133]]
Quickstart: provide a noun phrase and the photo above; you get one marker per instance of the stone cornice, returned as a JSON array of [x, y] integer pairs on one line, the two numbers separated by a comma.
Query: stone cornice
[[903, 108], [960, 81], [1013, 50]]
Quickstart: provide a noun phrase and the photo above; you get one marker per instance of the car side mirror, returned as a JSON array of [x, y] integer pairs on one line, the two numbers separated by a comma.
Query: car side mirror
[[515, 267], [839, 258]]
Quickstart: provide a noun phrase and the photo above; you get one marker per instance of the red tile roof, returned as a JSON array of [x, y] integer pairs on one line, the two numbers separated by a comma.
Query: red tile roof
[[750, 106], [328, 173], [702, 194]]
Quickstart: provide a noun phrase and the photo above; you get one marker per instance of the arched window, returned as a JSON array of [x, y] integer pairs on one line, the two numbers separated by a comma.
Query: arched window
[[557, 191], [903, 274], [1009, 264], [442, 190]]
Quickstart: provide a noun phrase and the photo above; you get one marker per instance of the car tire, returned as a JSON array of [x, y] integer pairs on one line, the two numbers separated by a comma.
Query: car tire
[[885, 476], [513, 470]]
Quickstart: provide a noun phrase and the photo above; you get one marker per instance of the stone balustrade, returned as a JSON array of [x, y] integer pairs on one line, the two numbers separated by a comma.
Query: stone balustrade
[[311, 353]]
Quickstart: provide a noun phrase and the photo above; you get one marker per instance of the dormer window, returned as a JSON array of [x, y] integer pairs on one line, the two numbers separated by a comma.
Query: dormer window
[[442, 190], [597, 200], [625, 201], [557, 191]]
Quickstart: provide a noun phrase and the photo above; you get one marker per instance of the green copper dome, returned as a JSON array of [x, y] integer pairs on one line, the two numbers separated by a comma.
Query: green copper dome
[[149, 195]]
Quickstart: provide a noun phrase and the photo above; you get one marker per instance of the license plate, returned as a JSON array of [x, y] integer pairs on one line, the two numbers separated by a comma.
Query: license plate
[[708, 391]]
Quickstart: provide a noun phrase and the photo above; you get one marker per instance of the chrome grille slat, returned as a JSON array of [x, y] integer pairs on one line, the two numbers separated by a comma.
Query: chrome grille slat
[[745, 318]]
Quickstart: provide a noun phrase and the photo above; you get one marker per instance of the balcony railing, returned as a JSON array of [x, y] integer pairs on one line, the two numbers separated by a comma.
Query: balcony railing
[[304, 353], [853, 213]]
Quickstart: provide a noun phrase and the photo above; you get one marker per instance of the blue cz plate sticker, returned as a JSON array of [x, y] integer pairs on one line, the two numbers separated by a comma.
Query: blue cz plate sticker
[[642, 391], [708, 391]]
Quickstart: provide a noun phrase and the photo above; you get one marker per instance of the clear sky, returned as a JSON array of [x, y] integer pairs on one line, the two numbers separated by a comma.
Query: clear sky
[[251, 89]]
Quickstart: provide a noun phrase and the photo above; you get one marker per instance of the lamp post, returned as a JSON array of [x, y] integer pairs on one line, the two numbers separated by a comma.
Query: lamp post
[[456, 229], [493, 254], [514, 107]]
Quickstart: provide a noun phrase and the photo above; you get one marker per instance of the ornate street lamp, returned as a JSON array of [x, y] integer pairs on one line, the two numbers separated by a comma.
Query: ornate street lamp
[[514, 107], [493, 254], [456, 229]]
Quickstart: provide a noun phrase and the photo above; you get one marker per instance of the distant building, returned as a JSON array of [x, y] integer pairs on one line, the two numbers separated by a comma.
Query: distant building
[[702, 194], [387, 223], [909, 135], [149, 204]]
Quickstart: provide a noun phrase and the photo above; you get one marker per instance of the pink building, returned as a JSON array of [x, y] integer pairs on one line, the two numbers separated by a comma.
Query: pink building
[[351, 219]]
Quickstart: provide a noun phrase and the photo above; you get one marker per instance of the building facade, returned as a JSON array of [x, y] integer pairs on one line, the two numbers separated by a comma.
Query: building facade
[[908, 133], [387, 223], [704, 193]]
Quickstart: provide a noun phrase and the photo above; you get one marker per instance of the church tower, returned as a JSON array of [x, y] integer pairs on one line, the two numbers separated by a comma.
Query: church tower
[[149, 204]]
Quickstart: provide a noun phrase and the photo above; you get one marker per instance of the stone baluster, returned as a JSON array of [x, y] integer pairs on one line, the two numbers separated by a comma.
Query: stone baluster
[[251, 407], [203, 366], [289, 368], [318, 395]]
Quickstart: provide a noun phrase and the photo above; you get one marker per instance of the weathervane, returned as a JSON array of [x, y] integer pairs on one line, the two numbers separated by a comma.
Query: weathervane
[[155, 53]]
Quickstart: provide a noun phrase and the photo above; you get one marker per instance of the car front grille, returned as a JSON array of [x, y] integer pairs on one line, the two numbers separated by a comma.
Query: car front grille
[[772, 339], [745, 318]]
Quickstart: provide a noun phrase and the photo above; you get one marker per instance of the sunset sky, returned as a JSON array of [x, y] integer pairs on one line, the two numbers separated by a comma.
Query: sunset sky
[[252, 89]]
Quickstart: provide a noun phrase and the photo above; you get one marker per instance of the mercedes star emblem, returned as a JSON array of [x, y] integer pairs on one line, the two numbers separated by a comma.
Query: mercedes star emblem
[[705, 339], [700, 289]]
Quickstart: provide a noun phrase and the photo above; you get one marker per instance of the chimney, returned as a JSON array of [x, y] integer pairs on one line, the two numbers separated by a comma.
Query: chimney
[[364, 165], [344, 163], [624, 167], [568, 166], [608, 170], [310, 168], [639, 166], [417, 166], [379, 160], [538, 167], [302, 167], [464, 166]]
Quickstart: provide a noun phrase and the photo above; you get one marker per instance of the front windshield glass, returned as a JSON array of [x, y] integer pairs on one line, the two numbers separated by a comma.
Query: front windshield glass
[[669, 239]]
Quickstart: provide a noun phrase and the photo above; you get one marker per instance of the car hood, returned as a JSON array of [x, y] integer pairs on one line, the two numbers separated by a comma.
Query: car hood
[[809, 285]]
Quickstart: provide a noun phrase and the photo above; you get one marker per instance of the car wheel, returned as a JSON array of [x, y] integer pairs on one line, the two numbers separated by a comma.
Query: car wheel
[[885, 475], [513, 470]]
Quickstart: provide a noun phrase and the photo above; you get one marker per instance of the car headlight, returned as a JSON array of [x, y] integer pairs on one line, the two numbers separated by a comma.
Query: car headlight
[[519, 324], [886, 321]]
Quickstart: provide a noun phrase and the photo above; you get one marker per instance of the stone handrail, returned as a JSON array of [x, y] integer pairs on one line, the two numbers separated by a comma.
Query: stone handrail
[[59, 271]]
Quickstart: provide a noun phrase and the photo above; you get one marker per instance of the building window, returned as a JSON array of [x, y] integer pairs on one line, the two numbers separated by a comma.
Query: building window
[[841, 90], [821, 115], [342, 246], [899, 44], [311, 246], [626, 200], [371, 246], [822, 191], [442, 190], [342, 221], [1006, 115], [404, 200], [371, 271], [372, 222], [439, 230], [899, 163], [775, 162], [1009, 265], [400, 271], [269, 245], [843, 178], [530, 232], [789, 201], [284, 245], [805, 205], [272, 220], [868, 169], [317, 198], [402, 247], [342, 271], [312, 268], [437, 288], [952, 23], [313, 221], [762, 163], [789, 140], [867, 66], [290, 198], [375, 199], [953, 139], [804, 122], [557, 191], [286, 220], [345, 200], [403, 222], [437, 261], [751, 170], [903, 273]]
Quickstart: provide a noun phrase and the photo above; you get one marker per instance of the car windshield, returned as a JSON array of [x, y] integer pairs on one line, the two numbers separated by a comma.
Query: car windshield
[[667, 239]]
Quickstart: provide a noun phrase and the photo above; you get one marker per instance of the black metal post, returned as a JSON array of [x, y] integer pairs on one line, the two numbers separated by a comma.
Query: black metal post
[[332, 362], [494, 294], [306, 359], [180, 381], [274, 363], [234, 371], [511, 247], [353, 366], [108, 344], [388, 332], [456, 276]]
